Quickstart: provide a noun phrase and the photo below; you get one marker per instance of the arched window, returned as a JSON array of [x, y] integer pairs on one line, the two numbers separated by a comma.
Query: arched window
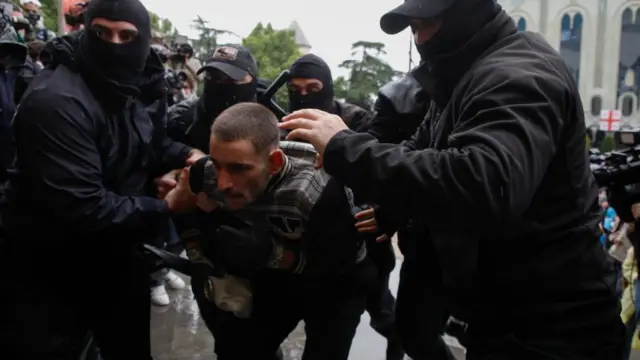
[[627, 105], [596, 105], [629, 63], [571, 43], [522, 24]]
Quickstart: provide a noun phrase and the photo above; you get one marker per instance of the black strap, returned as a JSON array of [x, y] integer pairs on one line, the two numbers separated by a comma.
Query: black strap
[[168, 259]]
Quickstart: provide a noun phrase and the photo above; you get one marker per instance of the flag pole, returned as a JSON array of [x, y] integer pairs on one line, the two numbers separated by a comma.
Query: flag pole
[[410, 53], [61, 22]]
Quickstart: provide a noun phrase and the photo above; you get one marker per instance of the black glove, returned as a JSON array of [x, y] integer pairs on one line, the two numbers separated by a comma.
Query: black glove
[[243, 252]]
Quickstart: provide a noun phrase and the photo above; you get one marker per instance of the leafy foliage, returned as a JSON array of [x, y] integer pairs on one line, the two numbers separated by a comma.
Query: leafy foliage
[[49, 14], [367, 73], [207, 40], [607, 144], [161, 25], [274, 51]]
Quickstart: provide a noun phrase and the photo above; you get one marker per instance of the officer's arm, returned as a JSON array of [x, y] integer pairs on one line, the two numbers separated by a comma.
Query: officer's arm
[[384, 125], [56, 139], [331, 239], [171, 154], [506, 135]]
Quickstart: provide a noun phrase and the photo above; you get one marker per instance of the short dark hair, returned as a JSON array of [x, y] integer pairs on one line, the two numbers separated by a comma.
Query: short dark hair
[[248, 121]]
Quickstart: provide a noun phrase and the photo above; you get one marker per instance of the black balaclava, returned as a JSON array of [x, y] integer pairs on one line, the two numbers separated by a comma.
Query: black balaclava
[[312, 67], [119, 65], [459, 24], [447, 55], [219, 97]]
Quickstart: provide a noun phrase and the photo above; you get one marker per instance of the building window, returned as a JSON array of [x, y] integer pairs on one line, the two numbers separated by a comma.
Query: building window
[[522, 24], [596, 105], [629, 63], [627, 106], [571, 43]]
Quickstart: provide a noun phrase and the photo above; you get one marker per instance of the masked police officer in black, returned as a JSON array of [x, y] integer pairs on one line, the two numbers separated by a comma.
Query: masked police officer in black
[[503, 185], [77, 210], [310, 86], [231, 77]]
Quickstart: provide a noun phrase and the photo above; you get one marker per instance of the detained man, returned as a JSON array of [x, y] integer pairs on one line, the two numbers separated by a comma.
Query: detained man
[[301, 252], [77, 204], [506, 173]]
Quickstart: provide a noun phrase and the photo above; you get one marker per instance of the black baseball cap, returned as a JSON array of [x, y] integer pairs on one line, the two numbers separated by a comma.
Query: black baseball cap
[[235, 61], [397, 19]]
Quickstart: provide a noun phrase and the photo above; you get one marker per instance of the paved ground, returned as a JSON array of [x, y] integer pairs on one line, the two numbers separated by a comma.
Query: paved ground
[[179, 334]]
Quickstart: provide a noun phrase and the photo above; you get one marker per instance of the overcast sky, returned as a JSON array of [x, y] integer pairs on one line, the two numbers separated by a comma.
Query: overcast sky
[[331, 26]]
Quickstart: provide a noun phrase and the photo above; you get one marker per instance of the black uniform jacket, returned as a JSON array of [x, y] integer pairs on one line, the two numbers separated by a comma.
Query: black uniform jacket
[[399, 110], [502, 181], [83, 166]]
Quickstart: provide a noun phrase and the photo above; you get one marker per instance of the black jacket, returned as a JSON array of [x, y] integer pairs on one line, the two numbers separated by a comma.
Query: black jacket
[[356, 118], [399, 110], [83, 168], [503, 182], [187, 122]]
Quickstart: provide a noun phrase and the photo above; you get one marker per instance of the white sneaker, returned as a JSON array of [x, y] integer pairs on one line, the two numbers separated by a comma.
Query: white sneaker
[[159, 296], [174, 281]]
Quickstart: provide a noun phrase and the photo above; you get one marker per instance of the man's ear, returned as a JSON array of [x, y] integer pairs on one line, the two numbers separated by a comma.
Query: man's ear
[[276, 161]]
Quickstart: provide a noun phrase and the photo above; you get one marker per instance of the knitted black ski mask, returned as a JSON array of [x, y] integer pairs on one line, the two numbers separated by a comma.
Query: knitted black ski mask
[[458, 27], [116, 64], [312, 67]]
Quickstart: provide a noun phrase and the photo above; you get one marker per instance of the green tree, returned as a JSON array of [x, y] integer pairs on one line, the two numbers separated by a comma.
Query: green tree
[[49, 11], [274, 51], [161, 25], [207, 39], [367, 73], [50, 14], [607, 144]]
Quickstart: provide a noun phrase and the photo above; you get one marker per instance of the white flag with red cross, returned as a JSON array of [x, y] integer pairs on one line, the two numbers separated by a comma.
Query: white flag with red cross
[[610, 120]]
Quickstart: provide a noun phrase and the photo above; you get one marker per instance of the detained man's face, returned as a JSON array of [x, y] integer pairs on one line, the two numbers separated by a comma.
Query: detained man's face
[[243, 172]]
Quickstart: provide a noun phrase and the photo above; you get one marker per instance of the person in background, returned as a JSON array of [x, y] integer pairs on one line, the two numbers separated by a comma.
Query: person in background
[[158, 39], [32, 12], [183, 61], [231, 76], [610, 223], [310, 86], [13, 57], [629, 313]]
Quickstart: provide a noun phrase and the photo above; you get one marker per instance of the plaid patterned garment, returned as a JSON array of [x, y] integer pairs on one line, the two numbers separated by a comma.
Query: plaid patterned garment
[[285, 207]]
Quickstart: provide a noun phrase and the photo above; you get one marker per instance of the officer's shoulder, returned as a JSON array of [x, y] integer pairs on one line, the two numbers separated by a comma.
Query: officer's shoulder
[[353, 112], [39, 104], [403, 94], [523, 62], [404, 87]]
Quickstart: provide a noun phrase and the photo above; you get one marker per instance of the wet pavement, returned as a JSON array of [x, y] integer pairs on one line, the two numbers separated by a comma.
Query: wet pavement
[[178, 333]]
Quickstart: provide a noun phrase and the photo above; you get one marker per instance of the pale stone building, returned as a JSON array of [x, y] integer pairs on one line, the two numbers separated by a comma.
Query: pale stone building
[[600, 42], [301, 39]]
